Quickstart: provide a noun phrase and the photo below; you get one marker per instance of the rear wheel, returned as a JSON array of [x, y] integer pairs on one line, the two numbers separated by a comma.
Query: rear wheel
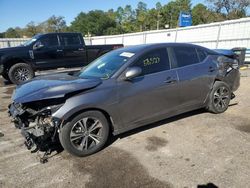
[[86, 134], [219, 98], [20, 73]]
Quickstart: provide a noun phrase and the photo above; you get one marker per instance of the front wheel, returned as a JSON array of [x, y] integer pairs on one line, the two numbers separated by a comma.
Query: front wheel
[[20, 73], [86, 134], [219, 98]]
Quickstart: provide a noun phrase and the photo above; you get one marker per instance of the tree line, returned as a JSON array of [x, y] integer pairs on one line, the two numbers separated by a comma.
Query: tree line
[[127, 20]]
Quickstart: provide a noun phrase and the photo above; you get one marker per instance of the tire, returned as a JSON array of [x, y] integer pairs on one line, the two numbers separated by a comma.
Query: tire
[[20, 73], [73, 136], [219, 98]]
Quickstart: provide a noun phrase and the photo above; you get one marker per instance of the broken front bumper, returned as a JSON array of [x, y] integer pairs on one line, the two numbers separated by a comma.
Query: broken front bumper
[[15, 112]]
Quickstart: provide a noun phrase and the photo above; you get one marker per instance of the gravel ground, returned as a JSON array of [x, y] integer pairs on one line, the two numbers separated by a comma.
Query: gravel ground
[[196, 149]]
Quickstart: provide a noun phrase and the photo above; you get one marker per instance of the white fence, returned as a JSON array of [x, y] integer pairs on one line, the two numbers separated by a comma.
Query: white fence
[[227, 34], [10, 42], [222, 35]]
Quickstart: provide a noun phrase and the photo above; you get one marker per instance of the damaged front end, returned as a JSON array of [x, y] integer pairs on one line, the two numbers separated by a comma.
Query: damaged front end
[[35, 102], [37, 125]]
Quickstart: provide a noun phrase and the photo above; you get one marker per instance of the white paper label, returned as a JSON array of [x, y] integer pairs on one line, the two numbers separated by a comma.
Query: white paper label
[[127, 54]]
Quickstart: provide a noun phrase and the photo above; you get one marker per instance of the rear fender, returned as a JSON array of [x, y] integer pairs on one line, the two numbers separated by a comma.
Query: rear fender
[[228, 72]]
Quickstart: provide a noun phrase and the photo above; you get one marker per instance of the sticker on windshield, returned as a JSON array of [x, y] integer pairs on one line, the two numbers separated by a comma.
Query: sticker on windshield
[[127, 54]]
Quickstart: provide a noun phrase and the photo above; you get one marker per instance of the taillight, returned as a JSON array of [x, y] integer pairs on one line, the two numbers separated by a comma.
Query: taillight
[[235, 64]]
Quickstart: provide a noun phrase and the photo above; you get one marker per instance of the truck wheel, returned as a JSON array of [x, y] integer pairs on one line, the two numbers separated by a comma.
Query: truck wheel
[[219, 98], [20, 72], [86, 134]]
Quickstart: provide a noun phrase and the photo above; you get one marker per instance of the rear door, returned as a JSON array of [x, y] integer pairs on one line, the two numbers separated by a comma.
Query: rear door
[[195, 72], [151, 95], [74, 51], [50, 55]]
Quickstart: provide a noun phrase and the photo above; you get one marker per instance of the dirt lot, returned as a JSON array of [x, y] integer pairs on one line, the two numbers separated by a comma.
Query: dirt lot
[[197, 148]]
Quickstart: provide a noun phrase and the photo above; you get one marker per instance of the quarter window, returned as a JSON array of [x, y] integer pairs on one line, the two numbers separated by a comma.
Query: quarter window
[[202, 54], [154, 61], [185, 56]]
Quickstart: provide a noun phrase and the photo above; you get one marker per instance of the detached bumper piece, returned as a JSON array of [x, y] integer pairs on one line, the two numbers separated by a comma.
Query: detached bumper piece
[[38, 140]]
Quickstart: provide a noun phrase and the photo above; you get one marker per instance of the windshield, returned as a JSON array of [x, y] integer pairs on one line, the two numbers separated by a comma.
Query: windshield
[[105, 66], [28, 42]]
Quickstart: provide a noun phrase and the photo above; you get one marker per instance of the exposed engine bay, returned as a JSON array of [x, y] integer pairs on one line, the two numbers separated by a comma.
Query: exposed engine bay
[[36, 101], [37, 126]]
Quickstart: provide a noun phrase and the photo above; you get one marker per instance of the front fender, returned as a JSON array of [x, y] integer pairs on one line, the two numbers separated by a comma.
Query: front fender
[[102, 99]]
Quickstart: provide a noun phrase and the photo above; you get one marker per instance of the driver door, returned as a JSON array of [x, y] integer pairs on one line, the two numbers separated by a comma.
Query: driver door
[[47, 52], [153, 94]]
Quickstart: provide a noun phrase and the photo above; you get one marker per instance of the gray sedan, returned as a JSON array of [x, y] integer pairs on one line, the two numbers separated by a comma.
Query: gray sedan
[[122, 90]]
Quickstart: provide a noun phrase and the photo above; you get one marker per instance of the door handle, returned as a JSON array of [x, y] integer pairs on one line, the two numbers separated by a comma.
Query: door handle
[[170, 80], [80, 49], [59, 50]]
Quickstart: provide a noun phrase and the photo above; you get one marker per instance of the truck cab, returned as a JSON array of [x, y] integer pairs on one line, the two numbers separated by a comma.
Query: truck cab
[[48, 51]]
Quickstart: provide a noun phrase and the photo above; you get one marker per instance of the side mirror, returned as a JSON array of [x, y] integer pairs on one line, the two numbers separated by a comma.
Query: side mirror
[[38, 45], [132, 72]]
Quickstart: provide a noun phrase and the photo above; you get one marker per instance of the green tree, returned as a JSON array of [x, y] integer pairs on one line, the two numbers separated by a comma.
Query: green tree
[[141, 15], [170, 14], [129, 19], [95, 22], [200, 14], [54, 24], [11, 33], [31, 29], [2, 35], [232, 9]]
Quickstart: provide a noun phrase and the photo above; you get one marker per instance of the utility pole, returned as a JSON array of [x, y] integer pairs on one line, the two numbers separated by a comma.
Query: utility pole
[[158, 20]]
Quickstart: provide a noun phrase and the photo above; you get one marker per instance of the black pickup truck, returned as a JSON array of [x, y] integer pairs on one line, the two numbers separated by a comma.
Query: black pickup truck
[[48, 51]]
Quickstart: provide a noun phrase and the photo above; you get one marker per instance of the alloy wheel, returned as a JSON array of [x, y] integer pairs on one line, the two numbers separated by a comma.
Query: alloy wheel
[[221, 98], [21, 74], [86, 133]]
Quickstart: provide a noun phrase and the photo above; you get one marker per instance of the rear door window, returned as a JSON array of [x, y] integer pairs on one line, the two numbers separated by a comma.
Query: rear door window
[[154, 61], [185, 56], [70, 40]]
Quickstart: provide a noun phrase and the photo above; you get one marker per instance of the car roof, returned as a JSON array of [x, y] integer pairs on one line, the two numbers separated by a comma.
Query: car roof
[[143, 47]]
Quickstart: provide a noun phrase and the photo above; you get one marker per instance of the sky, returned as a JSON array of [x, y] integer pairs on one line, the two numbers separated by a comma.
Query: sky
[[20, 12]]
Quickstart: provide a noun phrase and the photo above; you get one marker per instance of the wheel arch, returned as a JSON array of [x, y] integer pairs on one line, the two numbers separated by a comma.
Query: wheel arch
[[9, 62], [105, 113]]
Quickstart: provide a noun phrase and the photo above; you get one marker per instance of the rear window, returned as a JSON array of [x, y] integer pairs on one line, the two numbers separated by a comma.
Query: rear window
[[69, 40], [185, 56]]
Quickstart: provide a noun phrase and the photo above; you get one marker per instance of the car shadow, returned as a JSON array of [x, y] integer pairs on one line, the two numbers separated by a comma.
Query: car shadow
[[209, 185], [154, 125], [57, 148]]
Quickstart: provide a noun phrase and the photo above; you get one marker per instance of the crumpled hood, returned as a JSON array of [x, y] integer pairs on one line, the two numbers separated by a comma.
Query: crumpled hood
[[52, 86]]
